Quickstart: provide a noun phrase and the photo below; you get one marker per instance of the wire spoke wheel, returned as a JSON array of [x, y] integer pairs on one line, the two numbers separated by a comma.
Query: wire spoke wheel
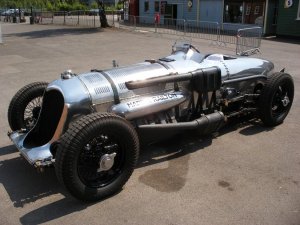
[[25, 106], [32, 111]]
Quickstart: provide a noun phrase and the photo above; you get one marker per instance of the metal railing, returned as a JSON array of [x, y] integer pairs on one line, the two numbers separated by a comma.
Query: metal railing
[[12, 15], [248, 40], [203, 29], [11, 19], [74, 18]]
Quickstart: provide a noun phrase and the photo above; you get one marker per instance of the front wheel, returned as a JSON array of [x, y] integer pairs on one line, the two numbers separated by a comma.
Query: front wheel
[[276, 99], [96, 156], [25, 106]]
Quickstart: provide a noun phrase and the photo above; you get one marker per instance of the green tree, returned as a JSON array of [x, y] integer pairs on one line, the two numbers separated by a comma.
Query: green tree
[[94, 5], [49, 6]]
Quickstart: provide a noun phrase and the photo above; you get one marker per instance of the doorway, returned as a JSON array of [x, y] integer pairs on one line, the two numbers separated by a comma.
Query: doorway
[[171, 14]]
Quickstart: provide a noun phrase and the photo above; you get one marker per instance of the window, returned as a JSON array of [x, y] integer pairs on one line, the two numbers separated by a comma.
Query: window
[[248, 10], [244, 11], [156, 6], [146, 6], [256, 11], [233, 11]]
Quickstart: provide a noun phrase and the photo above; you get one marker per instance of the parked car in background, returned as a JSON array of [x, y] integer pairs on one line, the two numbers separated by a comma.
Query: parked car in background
[[94, 12], [120, 11], [11, 12]]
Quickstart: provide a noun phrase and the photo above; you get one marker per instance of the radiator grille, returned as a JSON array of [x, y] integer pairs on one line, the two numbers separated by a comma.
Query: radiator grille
[[93, 77], [102, 90]]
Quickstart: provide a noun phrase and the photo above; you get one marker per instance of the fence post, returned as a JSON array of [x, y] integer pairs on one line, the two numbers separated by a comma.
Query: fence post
[[113, 14], [19, 15], [53, 17], [218, 32], [94, 20], [78, 17], [134, 22], [184, 27], [1, 41], [237, 42], [64, 17]]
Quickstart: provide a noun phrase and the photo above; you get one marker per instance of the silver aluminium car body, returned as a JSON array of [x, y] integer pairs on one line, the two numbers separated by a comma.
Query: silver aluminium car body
[[67, 99]]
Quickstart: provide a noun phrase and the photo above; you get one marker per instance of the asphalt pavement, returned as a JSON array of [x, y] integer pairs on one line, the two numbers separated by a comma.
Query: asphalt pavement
[[248, 174]]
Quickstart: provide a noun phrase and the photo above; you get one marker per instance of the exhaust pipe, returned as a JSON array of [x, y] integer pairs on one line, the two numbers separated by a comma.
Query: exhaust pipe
[[205, 79], [146, 105], [205, 125]]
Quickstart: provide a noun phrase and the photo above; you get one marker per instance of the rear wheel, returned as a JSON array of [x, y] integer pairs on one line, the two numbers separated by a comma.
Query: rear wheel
[[276, 99], [96, 156], [25, 106]]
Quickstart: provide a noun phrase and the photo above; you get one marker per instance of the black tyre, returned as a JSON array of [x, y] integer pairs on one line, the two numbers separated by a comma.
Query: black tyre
[[276, 99], [25, 106], [96, 156]]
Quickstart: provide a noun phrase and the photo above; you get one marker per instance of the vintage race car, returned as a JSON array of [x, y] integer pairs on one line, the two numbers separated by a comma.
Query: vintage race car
[[89, 126]]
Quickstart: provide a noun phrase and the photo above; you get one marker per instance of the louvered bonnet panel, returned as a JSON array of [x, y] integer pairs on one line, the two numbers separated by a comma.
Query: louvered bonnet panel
[[98, 87], [101, 90]]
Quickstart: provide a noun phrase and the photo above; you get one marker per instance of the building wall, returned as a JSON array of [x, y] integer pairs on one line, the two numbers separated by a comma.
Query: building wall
[[202, 10], [270, 26], [211, 10], [287, 23], [207, 10]]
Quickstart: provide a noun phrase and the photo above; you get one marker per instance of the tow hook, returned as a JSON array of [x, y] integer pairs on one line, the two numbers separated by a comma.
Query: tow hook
[[39, 167], [41, 164]]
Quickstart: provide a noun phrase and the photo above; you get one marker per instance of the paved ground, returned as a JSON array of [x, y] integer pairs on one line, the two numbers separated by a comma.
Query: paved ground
[[247, 175]]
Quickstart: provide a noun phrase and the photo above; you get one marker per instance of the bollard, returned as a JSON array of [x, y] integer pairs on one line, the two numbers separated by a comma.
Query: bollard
[[1, 40], [115, 64], [31, 19], [94, 20]]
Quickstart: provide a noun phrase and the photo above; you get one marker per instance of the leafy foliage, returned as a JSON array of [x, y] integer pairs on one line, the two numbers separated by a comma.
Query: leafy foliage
[[49, 5]]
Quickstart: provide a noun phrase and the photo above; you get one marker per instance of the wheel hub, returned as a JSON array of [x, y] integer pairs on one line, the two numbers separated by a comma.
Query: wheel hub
[[106, 162], [285, 101]]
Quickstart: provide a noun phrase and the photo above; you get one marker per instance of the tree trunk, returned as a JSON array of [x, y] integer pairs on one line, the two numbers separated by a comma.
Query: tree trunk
[[102, 15]]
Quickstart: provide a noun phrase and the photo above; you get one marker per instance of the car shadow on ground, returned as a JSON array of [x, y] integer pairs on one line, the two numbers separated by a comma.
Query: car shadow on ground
[[47, 33], [186, 143], [22, 182], [24, 185]]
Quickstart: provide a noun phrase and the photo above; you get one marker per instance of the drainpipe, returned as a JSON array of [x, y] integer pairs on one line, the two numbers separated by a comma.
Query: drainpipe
[[222, 18], [198, 11], [265, 15]]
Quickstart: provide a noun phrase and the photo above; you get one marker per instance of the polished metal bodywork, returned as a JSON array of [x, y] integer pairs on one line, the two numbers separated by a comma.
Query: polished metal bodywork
[[105, 91], [143, 106]]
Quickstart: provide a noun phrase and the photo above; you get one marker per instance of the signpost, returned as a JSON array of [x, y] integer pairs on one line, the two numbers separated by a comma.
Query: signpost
[[1, 41]]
